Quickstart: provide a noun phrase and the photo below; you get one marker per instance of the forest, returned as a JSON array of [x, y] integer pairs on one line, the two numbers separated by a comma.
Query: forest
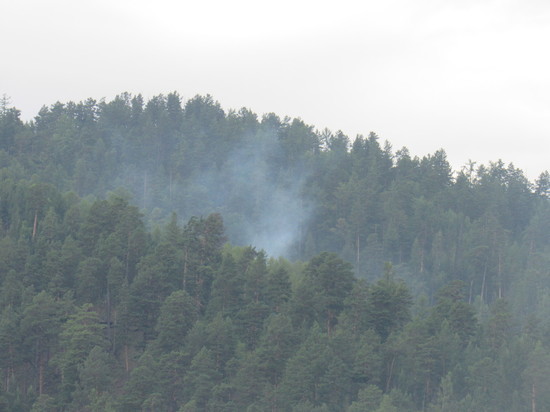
[[169, 255]]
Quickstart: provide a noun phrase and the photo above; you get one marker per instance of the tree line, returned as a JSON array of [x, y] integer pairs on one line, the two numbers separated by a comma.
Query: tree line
[[129, 280]]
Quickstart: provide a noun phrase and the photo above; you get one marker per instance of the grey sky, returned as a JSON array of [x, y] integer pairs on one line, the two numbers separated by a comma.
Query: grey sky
[[472, 77]]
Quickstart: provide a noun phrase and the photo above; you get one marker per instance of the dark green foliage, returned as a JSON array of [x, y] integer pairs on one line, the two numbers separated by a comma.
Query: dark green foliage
[[143, 382], [278, 289], [227, 288], [304, 370], [369, 399], [390, 302], [203, 375], [452, 309], [277, 344], [177, 316], [249, 382], [331, 280], [80, 334], [118, 291]]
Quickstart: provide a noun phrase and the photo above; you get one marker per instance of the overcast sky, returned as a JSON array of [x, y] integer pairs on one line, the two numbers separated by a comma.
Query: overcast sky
[[472, 77]]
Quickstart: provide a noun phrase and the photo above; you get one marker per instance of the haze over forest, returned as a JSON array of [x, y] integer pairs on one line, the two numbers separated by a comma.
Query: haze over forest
[[170, 255], [461, 75]]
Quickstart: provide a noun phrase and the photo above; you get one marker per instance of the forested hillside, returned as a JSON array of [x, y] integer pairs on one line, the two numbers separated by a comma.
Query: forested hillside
[[170, 256]]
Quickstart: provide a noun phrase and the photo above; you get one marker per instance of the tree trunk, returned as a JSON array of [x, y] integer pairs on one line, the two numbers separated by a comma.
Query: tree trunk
[[426, 393], [329, 318], [390, 372], [40, 374], [533, 397], [184, 281], [422, 258], [483, 282], [128, 257], [499, 274], [113, 346], [126, 363], [144, 189], [108, 298], [170, 186], [358, 248], [35, 224]]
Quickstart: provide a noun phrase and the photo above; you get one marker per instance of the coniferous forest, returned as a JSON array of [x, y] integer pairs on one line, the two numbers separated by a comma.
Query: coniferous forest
[[168, 255]]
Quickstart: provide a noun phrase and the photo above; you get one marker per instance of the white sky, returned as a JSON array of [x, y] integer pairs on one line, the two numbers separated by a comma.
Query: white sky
[[472, 77]]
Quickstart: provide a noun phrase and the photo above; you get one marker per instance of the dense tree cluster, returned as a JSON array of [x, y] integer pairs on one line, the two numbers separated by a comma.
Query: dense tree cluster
[[130, 279]]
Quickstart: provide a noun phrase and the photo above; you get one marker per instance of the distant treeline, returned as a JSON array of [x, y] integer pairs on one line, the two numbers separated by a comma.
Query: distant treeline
[[135, 267]]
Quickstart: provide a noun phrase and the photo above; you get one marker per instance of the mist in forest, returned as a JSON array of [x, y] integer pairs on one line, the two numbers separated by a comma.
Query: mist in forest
[[269, 199]]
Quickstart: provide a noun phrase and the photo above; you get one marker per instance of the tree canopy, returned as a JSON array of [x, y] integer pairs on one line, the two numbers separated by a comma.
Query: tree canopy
[[169, 255]]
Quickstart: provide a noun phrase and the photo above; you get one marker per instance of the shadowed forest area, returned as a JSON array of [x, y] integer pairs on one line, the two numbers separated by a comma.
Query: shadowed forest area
[[164, 255]]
